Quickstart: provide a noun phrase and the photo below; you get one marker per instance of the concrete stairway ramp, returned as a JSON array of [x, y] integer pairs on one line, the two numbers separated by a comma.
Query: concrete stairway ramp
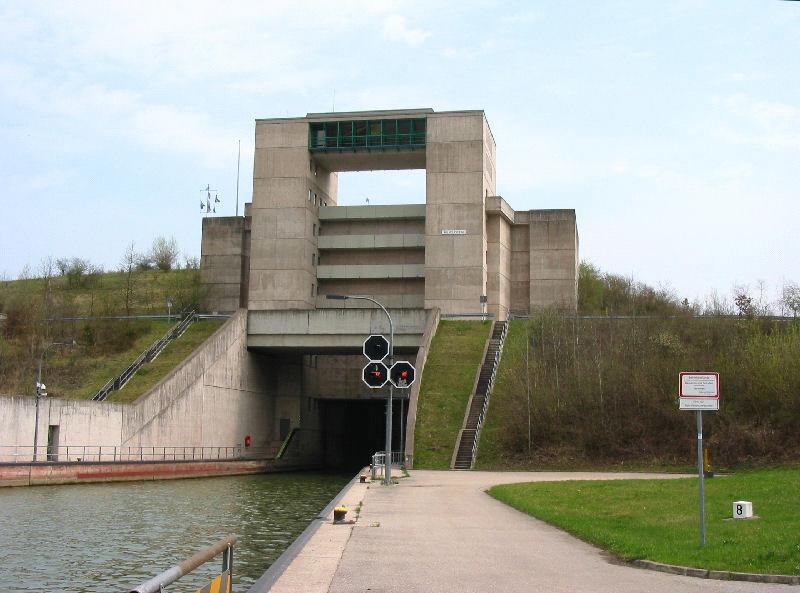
[[467, 442]]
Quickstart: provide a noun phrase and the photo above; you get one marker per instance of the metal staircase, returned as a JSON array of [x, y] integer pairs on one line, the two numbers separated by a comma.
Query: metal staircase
[[479, 402]]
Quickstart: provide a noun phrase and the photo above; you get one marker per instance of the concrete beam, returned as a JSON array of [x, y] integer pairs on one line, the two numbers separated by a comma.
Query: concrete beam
[[388, 212], [332, 329], [371, 271], [396, 241]]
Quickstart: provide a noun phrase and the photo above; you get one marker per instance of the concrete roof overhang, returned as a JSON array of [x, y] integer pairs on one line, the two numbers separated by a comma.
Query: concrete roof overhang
[[340, 331], [371, 159]]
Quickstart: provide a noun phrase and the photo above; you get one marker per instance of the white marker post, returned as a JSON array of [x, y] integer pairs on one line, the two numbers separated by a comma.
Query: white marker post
[[698, 392]]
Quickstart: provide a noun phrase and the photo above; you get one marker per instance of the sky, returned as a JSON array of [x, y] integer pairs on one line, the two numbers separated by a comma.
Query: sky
[[672, 128]]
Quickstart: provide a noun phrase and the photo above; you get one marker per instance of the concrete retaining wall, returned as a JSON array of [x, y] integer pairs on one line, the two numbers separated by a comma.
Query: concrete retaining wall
[[215, 397], [413, 397], [41, 474]]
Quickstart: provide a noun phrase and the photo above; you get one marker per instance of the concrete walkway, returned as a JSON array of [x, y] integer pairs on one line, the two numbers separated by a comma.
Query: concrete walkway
[[440, 532]]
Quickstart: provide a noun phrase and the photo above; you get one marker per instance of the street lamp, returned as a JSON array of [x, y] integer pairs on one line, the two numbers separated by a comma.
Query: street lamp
[[387, 461], [41, 392]]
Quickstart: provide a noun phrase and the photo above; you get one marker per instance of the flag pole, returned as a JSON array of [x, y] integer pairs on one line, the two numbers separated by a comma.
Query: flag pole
[[238, 160]]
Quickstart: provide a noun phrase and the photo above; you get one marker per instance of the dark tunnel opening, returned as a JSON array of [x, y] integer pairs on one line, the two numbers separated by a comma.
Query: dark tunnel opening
[[355, 429]]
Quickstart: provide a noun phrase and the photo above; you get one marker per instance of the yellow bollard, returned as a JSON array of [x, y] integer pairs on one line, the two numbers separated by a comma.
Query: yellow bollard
[[707, 464]]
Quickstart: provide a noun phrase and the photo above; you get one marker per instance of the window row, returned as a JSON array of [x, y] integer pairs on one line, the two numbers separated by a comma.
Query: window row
[[367, 134]]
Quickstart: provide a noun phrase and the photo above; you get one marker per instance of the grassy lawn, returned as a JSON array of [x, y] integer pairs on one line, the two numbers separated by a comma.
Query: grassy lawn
[[172, 356], [446, 386], [658, 519]]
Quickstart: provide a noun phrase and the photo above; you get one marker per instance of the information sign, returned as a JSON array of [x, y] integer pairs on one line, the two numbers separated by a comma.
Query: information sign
[[699, 391]]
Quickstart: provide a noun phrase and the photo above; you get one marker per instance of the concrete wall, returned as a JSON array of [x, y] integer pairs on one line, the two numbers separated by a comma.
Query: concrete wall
[[459, 176], [329, 329], [215, 397], [225, 262], [413, 396], [339, 376], [289, 188], [79, 422], [553, 259], [498, 263], [219, 394]]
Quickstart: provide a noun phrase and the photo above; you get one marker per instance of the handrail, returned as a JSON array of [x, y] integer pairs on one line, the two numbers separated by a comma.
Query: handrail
[[23, 454], [172, 574], [149, 355], [285, 444], [379, 461], [489, 387]]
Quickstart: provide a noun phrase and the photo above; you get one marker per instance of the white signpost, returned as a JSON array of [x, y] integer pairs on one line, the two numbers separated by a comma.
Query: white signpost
[[698, 392]]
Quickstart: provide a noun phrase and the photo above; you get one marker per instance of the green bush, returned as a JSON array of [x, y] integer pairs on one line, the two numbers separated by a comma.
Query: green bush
[[606, 389]]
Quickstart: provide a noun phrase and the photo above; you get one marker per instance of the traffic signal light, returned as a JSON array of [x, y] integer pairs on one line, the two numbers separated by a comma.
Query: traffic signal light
[[376, 347], [375, 375], [402, 374]]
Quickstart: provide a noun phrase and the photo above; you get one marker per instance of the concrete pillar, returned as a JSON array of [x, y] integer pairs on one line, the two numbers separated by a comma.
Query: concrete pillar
[[498, 236], [553, 259], [288, 190], [459, 177], [223, 262]]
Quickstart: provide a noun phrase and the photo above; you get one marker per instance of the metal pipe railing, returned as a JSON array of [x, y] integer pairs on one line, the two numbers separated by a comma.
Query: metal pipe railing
[[117, 453], [490, 385], [148, 355], [379, 462], [172, 574]]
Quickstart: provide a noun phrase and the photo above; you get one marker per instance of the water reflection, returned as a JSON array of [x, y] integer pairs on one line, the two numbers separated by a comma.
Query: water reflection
[[110, 537]]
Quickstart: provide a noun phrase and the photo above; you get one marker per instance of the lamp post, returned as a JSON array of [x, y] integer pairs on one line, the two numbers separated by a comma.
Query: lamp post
[[387, 473], [40, 395]]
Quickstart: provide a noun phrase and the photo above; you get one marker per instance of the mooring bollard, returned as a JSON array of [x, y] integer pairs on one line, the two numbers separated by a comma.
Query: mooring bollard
[[339, 514]]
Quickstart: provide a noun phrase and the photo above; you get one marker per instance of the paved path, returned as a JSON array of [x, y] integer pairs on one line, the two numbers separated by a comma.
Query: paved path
[[439, 532]]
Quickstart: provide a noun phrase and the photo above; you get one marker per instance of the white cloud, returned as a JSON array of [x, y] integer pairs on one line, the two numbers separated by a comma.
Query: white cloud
[[772, 125], [395, 28]]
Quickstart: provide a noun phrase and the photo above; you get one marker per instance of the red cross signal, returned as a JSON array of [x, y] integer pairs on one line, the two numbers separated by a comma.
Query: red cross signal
[[375, 375], [402, 374]]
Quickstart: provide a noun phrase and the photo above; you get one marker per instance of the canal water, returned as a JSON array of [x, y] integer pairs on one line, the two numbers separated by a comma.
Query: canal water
[[96, 538]]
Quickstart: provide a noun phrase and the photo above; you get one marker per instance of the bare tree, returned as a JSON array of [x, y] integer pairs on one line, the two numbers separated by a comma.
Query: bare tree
[[127, 266], [790, 297]]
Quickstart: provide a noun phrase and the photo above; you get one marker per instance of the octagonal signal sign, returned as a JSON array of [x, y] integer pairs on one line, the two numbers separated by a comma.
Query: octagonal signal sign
[[402, 374], [375, 375], [376, 347]]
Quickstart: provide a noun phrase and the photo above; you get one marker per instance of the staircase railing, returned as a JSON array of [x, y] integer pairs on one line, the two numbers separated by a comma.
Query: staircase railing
[[490, 385], [148, 355]]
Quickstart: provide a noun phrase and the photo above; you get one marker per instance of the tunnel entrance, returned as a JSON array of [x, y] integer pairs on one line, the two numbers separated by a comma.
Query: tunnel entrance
[[354, 429]]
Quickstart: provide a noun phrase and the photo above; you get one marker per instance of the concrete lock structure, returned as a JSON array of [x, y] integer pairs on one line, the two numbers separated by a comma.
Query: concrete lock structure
[[464, 252], [465, 245]]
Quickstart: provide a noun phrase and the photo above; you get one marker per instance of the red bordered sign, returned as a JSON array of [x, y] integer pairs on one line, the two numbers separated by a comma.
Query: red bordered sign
[[699, 391]]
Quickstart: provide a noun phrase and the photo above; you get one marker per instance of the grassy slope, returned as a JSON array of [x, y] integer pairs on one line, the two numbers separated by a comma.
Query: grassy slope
[[490, 449], [657, 520], [172, 356], [81, 376], [77, 373], [104, 294], [446, 386]]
